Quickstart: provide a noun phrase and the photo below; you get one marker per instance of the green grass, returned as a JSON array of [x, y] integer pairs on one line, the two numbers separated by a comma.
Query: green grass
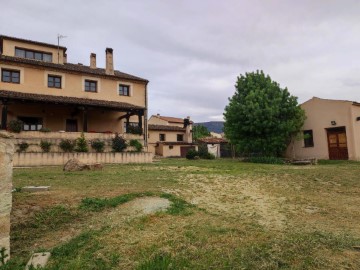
[[231, 224]]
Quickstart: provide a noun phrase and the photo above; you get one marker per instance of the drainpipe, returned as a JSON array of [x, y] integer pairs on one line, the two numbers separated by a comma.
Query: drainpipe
[[145, 117]]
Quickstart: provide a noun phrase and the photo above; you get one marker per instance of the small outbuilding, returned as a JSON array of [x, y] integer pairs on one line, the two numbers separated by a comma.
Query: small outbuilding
[[331, 131]]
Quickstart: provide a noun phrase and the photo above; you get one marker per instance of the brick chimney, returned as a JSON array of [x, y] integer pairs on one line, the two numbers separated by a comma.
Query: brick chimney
[[92, 60], [109, 62]]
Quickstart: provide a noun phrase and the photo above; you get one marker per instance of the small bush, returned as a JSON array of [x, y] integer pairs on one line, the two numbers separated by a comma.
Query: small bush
[[67, 145], [15, 126], [98, 145], [208, 156], [191, 154], [265, 160], [137, 145], [23, 147], [45, 146], [203, 150], [81, 144], [44, 129], [118, 143]]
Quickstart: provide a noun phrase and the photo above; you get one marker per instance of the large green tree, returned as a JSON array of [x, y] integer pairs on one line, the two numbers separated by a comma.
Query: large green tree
[[261, 118], [200, 131]]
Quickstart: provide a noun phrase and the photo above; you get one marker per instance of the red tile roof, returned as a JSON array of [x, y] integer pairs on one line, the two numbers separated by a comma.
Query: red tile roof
[[71, 68], [13, 95], [2, 37], [165, 128], [212, 140]]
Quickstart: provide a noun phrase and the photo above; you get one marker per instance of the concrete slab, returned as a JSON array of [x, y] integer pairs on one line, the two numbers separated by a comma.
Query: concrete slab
[[35, 188], [38, 260]]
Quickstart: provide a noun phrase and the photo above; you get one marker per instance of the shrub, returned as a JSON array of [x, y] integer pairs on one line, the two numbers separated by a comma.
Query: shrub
[[137, 145], [44, 129], [45, 146], [15, 126], [23, 147], [98, 145], [118, 143], [265, 160], [67, 145], [203, 150], [81, 144], [208, 156], [191, 154]]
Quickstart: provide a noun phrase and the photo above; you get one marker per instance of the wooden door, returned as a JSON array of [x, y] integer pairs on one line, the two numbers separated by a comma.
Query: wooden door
[[185, 149], [337, 143], [71, 125]]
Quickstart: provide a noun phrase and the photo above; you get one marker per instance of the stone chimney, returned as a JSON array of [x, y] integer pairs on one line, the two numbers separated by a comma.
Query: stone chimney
[[92, 60], [65, 58], [109, 62], [188, 128]]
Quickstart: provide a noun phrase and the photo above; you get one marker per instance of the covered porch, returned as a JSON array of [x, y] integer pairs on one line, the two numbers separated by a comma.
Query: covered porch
[[68, 114]]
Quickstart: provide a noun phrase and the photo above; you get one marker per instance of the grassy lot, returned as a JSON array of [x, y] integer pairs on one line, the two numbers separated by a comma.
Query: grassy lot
[[225, 215]]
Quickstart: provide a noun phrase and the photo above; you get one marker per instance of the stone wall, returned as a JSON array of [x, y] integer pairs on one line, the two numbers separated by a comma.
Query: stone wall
[[58, 159], [6, 164]]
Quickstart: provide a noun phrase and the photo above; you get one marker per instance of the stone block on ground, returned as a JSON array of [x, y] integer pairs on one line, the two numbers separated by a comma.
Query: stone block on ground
[[35, 188], [38, 260], [74, 164]]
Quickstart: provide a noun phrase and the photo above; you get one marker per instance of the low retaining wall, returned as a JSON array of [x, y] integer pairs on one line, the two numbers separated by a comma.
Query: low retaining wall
[[57, 159]]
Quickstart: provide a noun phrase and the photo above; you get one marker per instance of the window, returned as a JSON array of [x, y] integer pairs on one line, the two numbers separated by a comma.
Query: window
[[308, 138], [171, 147], [131, 124], [30, 54], [124, 90], [180, 137], [10, 76], [31, 123], [54, 81], [161, 137], [90, 86]]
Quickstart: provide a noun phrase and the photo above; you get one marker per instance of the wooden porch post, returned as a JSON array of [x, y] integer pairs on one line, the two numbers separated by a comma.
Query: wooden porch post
[[140, 114], [4, 116], [127, 123], [85, 120]]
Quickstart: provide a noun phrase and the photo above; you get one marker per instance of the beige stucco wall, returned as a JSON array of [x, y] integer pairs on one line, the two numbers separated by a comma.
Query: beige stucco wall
[[170, 136], [34, 80], [320, 113], [56, 159], [9, 49], [6, 166]]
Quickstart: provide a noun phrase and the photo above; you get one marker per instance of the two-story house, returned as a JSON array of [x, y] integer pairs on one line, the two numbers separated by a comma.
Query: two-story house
[[39, 87], [170, 136]]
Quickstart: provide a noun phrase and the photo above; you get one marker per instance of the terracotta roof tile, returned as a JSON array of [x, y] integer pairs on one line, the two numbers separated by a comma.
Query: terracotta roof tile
[[68, 67], [165, 128], [212, 140], [5, 94], [31, 42]]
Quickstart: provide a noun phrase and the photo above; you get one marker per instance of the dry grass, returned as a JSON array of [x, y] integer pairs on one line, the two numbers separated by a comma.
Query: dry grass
[[247, 216]]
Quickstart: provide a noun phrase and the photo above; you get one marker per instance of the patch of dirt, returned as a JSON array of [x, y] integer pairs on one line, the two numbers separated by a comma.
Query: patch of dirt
[[234, 197]]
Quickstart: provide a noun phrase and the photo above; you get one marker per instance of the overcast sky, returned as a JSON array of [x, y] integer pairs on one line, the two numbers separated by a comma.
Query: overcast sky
[[192, 51]]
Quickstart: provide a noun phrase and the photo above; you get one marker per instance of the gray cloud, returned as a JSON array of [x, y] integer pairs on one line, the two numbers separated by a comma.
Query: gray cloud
[[192, 51]]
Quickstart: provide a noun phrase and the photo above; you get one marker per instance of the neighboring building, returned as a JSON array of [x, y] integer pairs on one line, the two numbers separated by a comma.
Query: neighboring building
[[331, 131], [42, 90], [170, 136], [219, 147]]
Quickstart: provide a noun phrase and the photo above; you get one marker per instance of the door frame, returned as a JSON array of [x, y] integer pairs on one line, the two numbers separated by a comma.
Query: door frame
[[337, 130]]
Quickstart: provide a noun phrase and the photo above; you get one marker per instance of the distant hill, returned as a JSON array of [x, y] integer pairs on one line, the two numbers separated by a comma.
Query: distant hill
[[212, 126]]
